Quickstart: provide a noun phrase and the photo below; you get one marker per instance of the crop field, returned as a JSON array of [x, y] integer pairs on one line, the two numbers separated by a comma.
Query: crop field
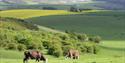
[[104, 56], [29, 13], [109, 25]]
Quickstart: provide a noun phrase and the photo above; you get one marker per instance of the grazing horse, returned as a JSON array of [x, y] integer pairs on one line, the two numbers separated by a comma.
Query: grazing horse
[[32, 54], [73, 54]]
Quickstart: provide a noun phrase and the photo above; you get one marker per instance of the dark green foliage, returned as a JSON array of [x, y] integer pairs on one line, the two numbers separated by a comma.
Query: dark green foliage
[[21, 47], [55, 49], [96, 49], [95, 39], [81, 47], [20, 24], [15, 36], [82, 37], [12, 46], [89, 49], [66, 48]]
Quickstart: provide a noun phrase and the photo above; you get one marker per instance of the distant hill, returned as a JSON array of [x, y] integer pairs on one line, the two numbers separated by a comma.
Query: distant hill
[[93, 4], [43, 1], [111, 4]]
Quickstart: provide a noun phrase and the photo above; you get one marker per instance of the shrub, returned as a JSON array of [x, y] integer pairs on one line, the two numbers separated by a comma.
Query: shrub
[[55, 49], [34, 46], [46, 44], [82, 37], [21, 47], [66, 48], [89, 49], [97, 39], [24, 41], [12, 46], [64, 37], [95, 49]]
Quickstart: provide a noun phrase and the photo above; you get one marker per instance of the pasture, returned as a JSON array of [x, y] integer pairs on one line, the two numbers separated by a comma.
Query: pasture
[[104, 56]]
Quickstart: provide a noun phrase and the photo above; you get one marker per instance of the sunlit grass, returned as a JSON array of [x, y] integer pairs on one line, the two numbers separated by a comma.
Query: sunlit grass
[[29, 13], [106, 56]]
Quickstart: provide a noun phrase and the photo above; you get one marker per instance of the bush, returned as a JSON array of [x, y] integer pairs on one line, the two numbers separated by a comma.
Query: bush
[[33, 46], [46, 44], [97, 39], [82, 37], [12, 46], [66, 48], [24, 41], [55, 49], [21, 47], [96, 49], [64, 37], [89, 49]]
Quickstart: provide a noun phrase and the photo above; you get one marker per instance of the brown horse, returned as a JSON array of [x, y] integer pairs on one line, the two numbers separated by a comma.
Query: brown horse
[[73, 54], [32, 54]]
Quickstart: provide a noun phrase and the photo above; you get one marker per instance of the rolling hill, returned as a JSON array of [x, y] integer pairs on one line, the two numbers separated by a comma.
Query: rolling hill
[[92, 4], [107, 24], [42, 1]]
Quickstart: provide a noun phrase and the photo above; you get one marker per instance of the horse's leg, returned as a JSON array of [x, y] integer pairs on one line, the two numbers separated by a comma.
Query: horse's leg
[[37, 59], [25, 60]]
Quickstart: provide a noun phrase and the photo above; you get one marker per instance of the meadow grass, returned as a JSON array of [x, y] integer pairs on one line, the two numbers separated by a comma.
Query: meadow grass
[[104, 56]]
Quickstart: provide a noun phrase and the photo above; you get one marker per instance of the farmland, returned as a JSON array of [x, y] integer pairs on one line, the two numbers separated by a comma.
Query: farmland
[[29, 13], [107, 24]]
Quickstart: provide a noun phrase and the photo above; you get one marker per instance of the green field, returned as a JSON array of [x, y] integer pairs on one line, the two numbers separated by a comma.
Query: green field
[[107, 24], [104, 56]]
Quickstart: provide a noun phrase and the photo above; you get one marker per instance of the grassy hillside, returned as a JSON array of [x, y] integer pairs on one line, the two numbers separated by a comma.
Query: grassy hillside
[[108, 24], [17, 34]]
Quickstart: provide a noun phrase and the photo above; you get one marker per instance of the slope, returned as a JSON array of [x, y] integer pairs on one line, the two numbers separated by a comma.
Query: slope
[[108, 24]]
